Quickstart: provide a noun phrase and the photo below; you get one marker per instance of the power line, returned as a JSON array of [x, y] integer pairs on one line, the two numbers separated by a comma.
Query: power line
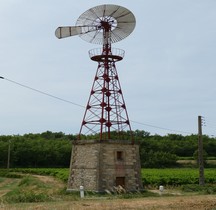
[[67, 101], [42, 92], [162, 128]]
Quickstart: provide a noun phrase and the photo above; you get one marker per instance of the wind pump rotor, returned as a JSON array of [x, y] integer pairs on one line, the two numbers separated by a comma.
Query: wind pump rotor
[[118, 21]]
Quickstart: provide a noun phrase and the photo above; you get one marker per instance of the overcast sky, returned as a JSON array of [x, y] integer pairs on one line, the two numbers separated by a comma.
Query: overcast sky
[[167, 76]]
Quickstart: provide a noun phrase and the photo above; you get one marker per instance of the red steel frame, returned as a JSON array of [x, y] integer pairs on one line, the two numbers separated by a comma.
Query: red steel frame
[[106, 111]]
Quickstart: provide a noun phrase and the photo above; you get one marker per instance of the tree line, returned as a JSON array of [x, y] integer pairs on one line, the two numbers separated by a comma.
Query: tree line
[[53, 149]]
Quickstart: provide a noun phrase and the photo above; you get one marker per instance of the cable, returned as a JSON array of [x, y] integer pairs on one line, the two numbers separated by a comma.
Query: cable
[[153, 126], [44, 93], [67, 101]]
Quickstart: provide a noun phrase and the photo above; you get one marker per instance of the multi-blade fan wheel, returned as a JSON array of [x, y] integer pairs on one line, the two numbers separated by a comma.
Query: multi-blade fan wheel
[[89, 24]]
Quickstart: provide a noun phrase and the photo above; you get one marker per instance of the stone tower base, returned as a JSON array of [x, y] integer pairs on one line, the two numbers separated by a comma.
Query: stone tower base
[[103, 165]]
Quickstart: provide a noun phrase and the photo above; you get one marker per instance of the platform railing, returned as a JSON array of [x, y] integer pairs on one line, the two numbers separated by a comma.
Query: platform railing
[[99, 51]]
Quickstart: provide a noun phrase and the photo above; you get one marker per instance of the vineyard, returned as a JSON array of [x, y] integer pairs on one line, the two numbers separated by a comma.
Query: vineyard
[[150, 177], [45, 188], [176, 177]]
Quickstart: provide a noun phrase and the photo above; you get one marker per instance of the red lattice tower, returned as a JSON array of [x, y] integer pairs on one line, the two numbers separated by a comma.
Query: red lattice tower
[[106, 111]]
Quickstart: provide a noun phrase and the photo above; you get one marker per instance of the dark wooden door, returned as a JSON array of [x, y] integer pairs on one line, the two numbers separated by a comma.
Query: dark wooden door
[[120, 181]]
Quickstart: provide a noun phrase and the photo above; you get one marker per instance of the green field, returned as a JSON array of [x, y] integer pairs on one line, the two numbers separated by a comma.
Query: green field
[[25, 187], [176, 177], [153, 177]]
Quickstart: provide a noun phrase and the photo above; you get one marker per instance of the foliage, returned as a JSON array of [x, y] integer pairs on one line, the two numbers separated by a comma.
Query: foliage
[[163, 151], [176, 177], [33, 150], [53, 149], [158, 159], [8, 174]]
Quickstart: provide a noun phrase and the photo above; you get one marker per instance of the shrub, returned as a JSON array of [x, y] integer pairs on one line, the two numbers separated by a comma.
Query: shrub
[[158, 160]]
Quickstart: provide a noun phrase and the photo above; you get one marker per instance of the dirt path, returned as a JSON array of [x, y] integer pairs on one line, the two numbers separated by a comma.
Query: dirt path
[[50, 180]]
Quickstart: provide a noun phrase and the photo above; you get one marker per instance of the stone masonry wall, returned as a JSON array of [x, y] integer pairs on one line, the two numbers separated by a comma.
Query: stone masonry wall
[[128, 167], [84, 166], [95, 165]]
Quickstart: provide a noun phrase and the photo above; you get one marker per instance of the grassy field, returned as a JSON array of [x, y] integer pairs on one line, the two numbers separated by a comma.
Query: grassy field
[[46, 189], [153, 177]]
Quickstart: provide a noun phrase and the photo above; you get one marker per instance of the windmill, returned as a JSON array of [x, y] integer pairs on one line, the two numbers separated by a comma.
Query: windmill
[[106, 162], [106, 110]]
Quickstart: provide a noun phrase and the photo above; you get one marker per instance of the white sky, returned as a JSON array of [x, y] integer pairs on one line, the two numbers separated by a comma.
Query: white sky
[[167, 76]]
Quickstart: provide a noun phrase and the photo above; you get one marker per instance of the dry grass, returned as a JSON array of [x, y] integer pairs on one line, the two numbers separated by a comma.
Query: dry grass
[[201, 202], [7, 184]]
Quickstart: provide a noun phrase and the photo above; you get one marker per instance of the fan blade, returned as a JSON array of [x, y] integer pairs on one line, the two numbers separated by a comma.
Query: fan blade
[[63, 32]]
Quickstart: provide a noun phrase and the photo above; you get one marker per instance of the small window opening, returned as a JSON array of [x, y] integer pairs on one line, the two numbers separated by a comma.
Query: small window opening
[[119, 155]]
